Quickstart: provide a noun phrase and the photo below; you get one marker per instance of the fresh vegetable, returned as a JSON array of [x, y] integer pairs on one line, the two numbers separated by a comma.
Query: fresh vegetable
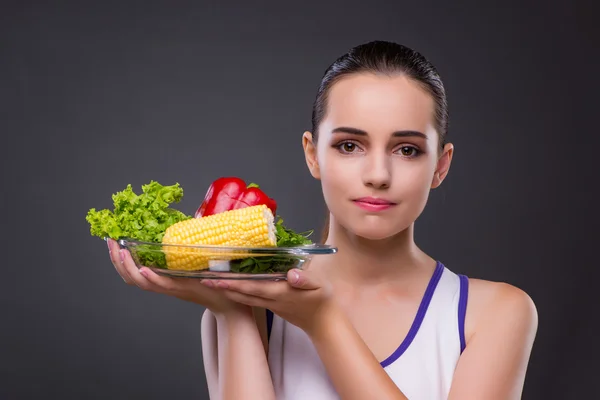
[[143, 217], [285, 238], [231, 193], [288, 238], [250, 227], [148, 217]]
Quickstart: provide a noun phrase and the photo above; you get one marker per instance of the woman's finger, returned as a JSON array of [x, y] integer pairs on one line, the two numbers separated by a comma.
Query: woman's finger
[[248, 300], [303, 279], [133, 271], [265, 290], [113, 251], [165, 283]]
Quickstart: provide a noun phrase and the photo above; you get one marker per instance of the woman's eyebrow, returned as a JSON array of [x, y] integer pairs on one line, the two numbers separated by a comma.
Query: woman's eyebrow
[[353, 131], [360, 132]]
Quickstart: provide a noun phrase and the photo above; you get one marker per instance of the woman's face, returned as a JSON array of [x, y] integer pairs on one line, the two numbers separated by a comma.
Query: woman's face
[[377, 153]]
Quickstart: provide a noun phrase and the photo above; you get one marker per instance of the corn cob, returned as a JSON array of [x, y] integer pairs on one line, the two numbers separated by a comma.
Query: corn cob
[[250, 227]]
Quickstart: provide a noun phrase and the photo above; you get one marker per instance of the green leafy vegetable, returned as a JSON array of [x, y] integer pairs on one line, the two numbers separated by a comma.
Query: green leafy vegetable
[[288, 238], [143, 217], [263, 265]]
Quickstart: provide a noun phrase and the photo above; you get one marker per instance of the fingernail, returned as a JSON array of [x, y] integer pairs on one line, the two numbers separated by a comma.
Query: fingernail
[[108, 243], [295, 277], [223, 285], [121, 255], [208, 283], [143, 272]]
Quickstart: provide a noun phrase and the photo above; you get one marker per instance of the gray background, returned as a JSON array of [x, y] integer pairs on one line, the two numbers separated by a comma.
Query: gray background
[[94, 97]]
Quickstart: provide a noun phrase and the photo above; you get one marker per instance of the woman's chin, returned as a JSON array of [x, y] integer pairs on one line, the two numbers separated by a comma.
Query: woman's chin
[[375, 233]]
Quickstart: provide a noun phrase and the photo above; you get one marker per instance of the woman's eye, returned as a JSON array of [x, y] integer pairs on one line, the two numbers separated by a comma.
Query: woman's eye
[[347, 147], [409, 151]]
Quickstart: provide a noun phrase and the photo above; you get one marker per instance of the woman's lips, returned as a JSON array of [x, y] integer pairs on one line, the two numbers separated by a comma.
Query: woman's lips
[[373, 204]]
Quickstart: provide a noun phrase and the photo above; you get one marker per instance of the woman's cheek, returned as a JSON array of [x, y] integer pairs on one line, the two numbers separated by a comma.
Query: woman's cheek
[[337, 180], [416, 190], [332, 180]]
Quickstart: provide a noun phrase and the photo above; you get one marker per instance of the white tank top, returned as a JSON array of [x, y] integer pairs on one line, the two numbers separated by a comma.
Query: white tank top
[[422, 366]]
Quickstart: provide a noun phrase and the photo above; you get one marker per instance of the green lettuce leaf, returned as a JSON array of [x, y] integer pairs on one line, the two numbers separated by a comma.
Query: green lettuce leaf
[[143, 217]]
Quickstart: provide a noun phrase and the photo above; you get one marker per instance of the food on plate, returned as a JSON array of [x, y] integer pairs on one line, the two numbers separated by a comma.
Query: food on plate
[[231, 193], [228, 217], [247, 227]]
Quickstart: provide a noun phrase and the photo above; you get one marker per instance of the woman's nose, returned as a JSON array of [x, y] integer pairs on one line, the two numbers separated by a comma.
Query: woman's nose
[[377, 172]]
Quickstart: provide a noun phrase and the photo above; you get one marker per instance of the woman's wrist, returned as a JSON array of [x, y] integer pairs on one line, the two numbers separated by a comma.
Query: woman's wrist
[[233, 315], [325, 321]]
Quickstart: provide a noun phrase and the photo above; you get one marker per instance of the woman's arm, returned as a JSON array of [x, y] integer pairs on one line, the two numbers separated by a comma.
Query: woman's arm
[[305, 300], [353, 369], [210, 354], [234, 357]]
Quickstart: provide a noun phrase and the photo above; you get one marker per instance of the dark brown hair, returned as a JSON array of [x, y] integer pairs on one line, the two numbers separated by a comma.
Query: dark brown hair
[[387, 58]]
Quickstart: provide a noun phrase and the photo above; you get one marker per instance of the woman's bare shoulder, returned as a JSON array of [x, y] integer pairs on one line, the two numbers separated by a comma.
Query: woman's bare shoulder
[[491, 303]]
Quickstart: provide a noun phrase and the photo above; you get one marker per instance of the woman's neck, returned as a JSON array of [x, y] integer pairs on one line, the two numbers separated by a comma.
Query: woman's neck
[[362, 261]]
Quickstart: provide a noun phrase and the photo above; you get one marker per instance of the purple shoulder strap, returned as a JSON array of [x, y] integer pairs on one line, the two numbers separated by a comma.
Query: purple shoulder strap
[[269, 323], [462, 309]]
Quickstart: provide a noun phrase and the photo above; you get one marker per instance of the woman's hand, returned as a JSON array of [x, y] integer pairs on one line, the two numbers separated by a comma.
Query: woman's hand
[[304, 299], [185, 289]]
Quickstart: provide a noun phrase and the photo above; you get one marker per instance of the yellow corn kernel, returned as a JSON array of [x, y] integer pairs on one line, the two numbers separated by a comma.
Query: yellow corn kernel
[[248, 227]]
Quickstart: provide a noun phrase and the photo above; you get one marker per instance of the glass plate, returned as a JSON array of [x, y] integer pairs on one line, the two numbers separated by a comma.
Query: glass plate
[[218, 262]]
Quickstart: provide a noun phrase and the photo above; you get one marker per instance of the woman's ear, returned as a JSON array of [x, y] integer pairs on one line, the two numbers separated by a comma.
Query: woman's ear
[[443, 166], [310, 154]]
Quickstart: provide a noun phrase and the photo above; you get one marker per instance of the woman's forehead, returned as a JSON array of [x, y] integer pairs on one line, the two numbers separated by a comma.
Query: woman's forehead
[[379, 102]]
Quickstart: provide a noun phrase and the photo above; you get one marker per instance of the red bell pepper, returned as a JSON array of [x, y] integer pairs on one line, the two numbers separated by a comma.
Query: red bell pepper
[[230, 193]]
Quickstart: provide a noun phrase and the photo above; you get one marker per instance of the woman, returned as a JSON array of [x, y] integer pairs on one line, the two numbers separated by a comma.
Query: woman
[[381, 319]]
